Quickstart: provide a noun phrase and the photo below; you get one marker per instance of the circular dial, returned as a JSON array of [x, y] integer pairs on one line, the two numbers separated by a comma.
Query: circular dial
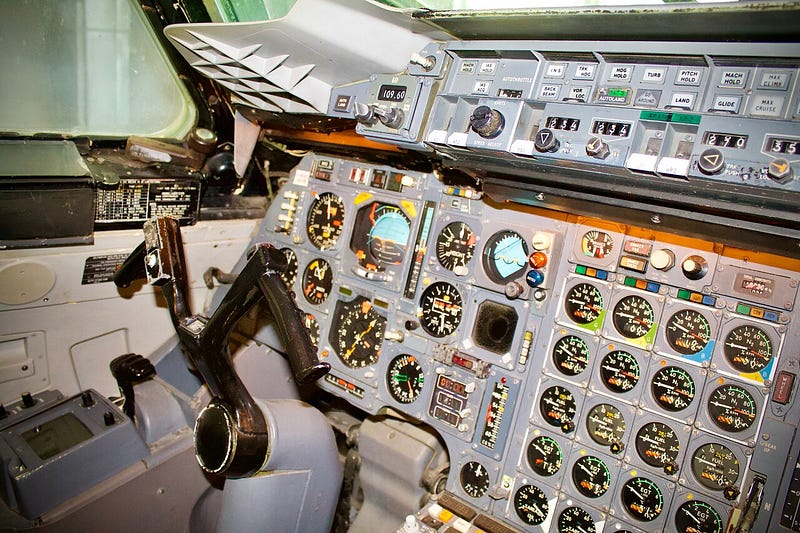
[[688, 332], [505, 256], [311, 324], [748, 348], [697, 516], [571, 355], [620, 371], [584, 303], [715, 466], [290, 275], [591, 476], [325, 220], [380, 236], [605, 424], [357, 332], [405, 378], [557, 406], [657, 444], [732, 408], [474, 479], [642, 499], [531, 505], [597, 244], [673, 388], [633, 317], [317, 281], [440, 309], [575, 520], [455, 246], [544, 456]]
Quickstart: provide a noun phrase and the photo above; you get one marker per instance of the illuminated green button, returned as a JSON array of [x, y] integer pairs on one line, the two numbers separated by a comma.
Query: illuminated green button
[[618, 93], [580, 269], [630, 282], [743, 309], [683, 294]]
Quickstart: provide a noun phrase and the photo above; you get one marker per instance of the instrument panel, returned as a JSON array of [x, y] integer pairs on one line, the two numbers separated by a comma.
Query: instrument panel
[[584, 375]]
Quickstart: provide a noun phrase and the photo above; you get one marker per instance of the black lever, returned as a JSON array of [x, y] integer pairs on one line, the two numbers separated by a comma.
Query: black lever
[[128, 370]]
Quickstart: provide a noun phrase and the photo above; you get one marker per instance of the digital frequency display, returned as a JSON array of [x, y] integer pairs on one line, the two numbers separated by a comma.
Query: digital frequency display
[[392, 93], [726, 140], [563, 123], [779, 145], [615, 129]]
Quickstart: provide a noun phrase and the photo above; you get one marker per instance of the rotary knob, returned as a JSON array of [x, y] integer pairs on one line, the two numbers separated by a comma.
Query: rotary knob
[[694, 267], [487, 122], [597, 148], [662, 260], [545, 140], [780, 170]]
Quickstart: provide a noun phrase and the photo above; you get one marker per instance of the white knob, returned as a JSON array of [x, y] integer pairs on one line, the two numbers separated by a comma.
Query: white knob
[[662, 259]]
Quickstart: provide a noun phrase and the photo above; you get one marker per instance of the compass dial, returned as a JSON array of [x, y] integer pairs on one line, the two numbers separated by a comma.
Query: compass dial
[[505, 256], [633, 317], [688, 332], [583, 303], [440, 309], [673, 388], [715, 466], [357, 332], [317, 281], [530, 504], [544, 456], [591, 476], [325, 220], [657, 445], [290, 275], [575, 520], [732, 408], [558, 406], [474, 479], [455, 247], [620, 371], [571, 355], [748, 348], [642, 499], [605, 424], [696, 516], [405, 378]]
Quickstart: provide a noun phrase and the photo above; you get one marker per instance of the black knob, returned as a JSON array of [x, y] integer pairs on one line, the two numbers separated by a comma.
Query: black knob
[[87, 400], [711, 161], [545, 140], [27, 400], [487, 122], [108, 418], [694, 267]]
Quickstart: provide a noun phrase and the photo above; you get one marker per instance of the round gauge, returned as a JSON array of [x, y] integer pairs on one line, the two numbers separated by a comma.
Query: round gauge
[[571, 355], [657, 444], [505, 256], [591, 476], [544, 456], [642, 499], [619, 371], [605, 424], [688, 332], [317, 281], [732, 408], [325, 220], [715, 466], [357, 332], [474, 479], [557, 406], [748, 348], [311, 324], [673, 388], [380, 236], [405, 378], [455, 246], [597, 244], [440, 309], [290, 275], [531, 505], [696, 516], [583, 303], [575, 520], [633, 317]]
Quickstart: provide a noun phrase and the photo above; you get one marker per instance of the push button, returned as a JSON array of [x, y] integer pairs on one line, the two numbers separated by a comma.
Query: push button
[[711, 161]]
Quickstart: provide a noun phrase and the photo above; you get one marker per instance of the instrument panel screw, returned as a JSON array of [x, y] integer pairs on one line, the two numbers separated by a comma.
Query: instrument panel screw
[[655, 219]]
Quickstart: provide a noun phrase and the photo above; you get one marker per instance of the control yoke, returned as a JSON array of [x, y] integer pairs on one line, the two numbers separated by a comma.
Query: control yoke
[[231, 433]]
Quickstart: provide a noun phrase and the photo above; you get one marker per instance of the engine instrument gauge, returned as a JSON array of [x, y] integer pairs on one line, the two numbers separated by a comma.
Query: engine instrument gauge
[[405, 378], [673, 388], [474, 479], [325, 220], [571, 355], [597, 244], [696, 516], [317, 281], [748, 348], [440, 309], [715, 466], [642, 499], [732, 408], [530, 504], [544, 455], [688, 332], [575, 520], [633, 317], [455, 246], [605, 424], [619, 371], [557, 406], [591, 476], [290, 275], [380, 236], [658, 445], [357, 332], [583, 303], [311, 324], [505, 256]]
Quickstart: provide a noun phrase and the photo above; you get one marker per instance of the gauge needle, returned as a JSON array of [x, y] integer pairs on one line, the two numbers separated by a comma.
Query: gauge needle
[[638, 494], [585, 469]]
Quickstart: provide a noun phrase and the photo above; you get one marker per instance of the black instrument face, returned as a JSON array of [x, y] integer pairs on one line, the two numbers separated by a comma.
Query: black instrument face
[[688, 332], [290, 275], [530, 504], [642, 499], [474, 479], [591, 476], [575, 520], [583, 303], [545, 456], [657, 445], [715, 466], [732, 408], [317, 281], [455, 246], [633, 317], [325, 220], [380, 236], [619, 371], [748, 348], [605, 424], [571, 355], [405, 378], [505, 256], [673, 388], [557, 406], [440, 306], [357, 332], [697, 516]]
